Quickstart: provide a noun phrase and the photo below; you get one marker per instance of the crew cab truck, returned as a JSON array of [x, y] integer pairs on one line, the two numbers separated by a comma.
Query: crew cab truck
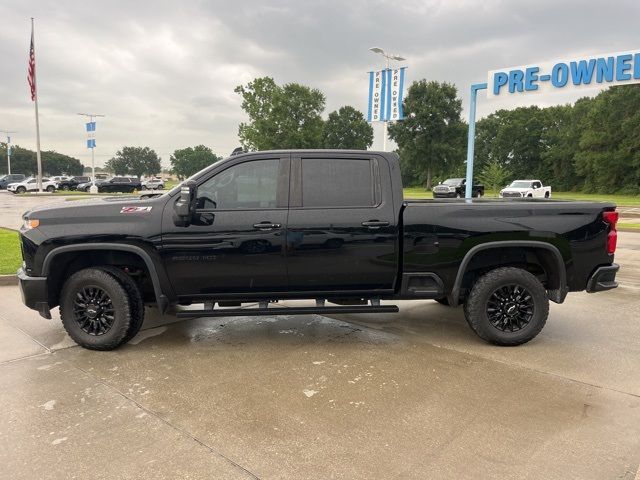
[[456, 188], [526, 188], [328, 226]]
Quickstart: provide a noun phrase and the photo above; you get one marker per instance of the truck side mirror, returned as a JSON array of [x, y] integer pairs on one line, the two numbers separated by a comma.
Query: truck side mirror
[[184, 209]]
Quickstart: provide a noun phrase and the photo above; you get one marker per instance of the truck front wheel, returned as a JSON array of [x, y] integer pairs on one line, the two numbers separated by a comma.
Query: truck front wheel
[[135, 299], [95, 309], [507, 306]]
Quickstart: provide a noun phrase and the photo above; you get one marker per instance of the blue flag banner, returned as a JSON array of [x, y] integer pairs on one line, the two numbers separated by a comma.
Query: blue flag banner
[[386, 92], [91, 126], [91, 143]]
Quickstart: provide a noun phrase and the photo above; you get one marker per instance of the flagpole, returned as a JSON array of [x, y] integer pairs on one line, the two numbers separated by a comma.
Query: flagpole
[[35, 84]]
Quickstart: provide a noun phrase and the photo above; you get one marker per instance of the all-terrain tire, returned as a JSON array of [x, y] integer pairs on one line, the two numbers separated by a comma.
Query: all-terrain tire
[[84, 281], [477, 305], [136, 303]]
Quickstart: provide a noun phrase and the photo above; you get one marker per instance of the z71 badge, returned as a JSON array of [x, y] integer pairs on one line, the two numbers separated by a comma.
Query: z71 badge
[[135, 209]]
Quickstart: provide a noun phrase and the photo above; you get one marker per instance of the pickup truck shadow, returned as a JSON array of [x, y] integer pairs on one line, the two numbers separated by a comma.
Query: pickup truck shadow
[[413, 321]]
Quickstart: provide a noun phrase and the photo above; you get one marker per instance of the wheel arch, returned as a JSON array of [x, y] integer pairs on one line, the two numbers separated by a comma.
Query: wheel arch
[[161, 299], [549, 256]]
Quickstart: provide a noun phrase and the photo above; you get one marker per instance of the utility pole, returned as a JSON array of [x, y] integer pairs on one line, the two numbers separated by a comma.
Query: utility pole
[[91, 143], [8, 134]]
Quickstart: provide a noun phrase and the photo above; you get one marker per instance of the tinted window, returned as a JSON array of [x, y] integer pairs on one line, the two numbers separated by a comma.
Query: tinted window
[[337, 183], [244, 186], [537, 185]]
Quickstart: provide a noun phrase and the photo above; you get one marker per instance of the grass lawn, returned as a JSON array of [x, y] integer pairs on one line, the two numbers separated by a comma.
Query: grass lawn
[[10, 258], [635, 226], [620, 200]]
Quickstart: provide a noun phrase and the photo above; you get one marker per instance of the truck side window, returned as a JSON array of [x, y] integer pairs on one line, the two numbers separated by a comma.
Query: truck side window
[[337, 182], [247, 185]]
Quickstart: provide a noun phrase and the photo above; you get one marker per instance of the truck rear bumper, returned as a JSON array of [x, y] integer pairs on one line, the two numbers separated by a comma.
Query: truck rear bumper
[[35, 293], [604, 278]]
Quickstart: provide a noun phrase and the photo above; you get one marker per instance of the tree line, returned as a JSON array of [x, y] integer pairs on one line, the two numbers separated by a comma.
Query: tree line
[[24, 161], [590, 146]]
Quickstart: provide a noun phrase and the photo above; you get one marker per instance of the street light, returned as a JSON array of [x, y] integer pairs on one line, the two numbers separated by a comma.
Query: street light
[[8, 133], [93, 188], [387, 57]]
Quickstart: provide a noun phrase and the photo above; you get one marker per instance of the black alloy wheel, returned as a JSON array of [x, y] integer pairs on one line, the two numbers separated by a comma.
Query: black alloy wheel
[[507, 306], [93, 310], [510, 308]]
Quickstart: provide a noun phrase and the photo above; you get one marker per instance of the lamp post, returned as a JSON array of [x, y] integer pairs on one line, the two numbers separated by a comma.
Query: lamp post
[[8, 134], [91, 143], [388, 57]]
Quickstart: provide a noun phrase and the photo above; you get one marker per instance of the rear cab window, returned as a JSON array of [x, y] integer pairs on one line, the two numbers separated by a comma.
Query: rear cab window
[[339, 182]]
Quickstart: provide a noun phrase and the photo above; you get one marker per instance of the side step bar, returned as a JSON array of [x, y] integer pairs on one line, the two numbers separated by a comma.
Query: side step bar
[[248, 312]]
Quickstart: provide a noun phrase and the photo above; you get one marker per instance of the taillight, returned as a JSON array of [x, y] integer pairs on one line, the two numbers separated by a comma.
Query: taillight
[[612, 238]]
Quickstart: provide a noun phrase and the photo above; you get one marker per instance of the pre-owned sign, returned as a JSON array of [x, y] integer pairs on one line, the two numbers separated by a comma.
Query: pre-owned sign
[[600, 71]]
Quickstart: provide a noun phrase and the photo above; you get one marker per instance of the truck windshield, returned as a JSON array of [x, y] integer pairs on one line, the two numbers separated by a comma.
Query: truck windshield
[[520, 184], [452, 181]]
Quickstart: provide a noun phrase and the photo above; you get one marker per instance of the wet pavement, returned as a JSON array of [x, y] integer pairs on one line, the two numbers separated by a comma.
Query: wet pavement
[[409, 395]]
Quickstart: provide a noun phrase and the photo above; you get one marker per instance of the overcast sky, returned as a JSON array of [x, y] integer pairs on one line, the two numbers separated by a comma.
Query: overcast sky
[[163, 73]]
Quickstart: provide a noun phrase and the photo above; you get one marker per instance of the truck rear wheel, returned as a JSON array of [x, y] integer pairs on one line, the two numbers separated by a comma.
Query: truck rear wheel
[[95, 309], [507, 306], [135, 300]]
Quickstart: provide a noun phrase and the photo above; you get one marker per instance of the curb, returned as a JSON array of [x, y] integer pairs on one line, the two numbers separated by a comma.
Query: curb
[[7, 280]]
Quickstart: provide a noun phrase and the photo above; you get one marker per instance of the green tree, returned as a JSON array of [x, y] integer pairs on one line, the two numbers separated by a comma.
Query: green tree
[[53, 163], [347, 129], [513, 138], [136, 161], [280, 117], [432, 136], [187, 161], [608, 152], [117, 165], [494, 175]]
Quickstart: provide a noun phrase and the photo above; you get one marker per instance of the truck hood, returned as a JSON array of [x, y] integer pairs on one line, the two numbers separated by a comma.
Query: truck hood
[[513, 189], [99, 216]]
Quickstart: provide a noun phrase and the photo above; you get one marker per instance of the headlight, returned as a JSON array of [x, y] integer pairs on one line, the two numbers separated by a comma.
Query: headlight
[[29, 223]]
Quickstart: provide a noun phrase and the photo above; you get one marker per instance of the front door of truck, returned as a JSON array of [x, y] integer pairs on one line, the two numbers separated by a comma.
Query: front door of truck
[[342, 232], [236, 242]]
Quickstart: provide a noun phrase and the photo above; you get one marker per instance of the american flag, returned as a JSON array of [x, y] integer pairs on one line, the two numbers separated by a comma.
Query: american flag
[[31, 77]]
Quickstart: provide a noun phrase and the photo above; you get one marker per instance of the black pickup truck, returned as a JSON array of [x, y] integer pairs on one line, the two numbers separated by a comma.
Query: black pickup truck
[[456, 188], [328, 226]]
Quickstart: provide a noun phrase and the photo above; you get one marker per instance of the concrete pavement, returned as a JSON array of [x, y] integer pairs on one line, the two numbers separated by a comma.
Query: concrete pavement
[[412, 395]]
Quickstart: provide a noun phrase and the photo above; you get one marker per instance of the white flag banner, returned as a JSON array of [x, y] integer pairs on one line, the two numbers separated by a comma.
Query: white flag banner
[[385, 95], [396, 87], [377, 84]]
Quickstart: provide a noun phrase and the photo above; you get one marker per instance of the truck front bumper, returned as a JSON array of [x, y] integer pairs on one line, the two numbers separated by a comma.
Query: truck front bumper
[[604, 278], [444, 195], [35, 293]]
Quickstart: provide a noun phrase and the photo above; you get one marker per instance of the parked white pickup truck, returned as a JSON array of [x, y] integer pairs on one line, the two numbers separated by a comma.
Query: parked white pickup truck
[[525, 188]]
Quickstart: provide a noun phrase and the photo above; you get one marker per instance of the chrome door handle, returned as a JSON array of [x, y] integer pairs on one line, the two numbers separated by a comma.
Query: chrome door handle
[[266, 225], [374, 224]]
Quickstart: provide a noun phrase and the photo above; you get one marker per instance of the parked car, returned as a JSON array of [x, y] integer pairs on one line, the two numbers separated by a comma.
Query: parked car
[[84, 187], [72, 183], [525, 188], [114, 184], [153, 184], [5, 180], [456, 188], [102, 262], [120, 184], [31, 185]]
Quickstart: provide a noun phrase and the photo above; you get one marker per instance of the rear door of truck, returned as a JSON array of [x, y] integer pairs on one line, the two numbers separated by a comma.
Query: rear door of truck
[[342, 233]]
